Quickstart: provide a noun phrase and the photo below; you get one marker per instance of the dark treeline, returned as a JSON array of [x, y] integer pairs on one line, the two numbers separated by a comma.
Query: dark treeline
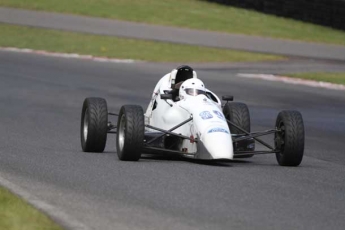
[[323, 12]]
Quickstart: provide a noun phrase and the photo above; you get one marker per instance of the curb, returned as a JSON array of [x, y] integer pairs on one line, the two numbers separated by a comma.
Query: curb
[[68, 55], [294, 81], [61, 218]]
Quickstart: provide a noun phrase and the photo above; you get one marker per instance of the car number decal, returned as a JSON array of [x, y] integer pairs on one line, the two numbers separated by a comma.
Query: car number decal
[[206, 115], [219, 114]]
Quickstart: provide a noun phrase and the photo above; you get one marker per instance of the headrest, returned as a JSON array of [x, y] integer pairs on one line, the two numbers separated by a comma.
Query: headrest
[[181, 74]]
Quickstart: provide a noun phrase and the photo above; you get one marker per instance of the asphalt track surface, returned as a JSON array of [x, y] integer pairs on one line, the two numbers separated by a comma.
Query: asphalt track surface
[[40, 104], [118, 28]]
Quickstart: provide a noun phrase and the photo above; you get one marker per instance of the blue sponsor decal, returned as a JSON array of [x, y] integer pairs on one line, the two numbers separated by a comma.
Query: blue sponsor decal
[[219, 114], [206, 115], [218, 130]]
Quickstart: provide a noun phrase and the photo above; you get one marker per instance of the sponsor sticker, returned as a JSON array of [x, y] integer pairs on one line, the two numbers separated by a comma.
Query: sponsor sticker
[[218, 130], [206, 115], [219, 114]]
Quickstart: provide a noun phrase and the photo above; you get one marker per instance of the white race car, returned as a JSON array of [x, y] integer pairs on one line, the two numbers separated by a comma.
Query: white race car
[[185, 118]]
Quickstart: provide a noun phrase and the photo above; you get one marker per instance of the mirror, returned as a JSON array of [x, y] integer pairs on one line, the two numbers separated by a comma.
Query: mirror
[[166, 96], [227, 98]]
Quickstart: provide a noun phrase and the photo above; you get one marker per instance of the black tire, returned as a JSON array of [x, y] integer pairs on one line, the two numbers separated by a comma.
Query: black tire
[[290, 141], [238, 113], [94, 125], [130, 133]]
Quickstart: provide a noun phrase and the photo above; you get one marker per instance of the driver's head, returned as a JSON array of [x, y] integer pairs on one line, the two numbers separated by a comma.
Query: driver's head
[[191, 88]]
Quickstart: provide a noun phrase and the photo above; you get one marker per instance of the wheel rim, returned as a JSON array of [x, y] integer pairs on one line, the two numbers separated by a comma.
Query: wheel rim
[[86, 124], [121, 132]]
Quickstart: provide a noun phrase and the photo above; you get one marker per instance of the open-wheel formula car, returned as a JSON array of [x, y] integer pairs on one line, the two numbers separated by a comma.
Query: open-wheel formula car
[[185, 118]]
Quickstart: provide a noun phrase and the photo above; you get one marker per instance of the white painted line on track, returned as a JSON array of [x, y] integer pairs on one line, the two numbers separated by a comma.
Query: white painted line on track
[[295, 81], [267, 77], [68, 55], [56, 214]]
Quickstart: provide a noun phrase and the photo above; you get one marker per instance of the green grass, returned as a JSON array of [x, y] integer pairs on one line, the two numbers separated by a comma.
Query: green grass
[[59, 41], [337, 78], [16, 214], [189, 13]]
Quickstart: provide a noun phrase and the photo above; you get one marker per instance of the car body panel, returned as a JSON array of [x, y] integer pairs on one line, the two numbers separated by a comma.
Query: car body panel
[[208, 127]]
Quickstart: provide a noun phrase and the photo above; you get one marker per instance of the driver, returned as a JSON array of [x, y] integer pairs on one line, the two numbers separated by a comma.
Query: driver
[[171, 82], [191, 88]]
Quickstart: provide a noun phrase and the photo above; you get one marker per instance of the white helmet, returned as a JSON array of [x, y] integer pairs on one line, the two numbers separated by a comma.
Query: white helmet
[[191, 88]]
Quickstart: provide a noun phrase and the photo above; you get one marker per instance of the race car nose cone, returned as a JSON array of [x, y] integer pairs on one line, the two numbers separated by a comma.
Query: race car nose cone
[[216, 143]]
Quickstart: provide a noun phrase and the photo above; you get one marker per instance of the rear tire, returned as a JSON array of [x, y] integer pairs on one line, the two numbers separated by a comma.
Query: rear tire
[[238, 113], [94, 125], [130, 133], [290, 141]]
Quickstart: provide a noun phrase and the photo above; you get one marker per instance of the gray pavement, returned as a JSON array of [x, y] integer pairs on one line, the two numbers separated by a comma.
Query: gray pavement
[[40, 103], [170, 34]]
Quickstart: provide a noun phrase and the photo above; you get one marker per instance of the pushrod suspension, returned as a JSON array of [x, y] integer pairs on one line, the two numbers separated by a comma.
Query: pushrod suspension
[[168, 131], [255, 138], [252, 135]]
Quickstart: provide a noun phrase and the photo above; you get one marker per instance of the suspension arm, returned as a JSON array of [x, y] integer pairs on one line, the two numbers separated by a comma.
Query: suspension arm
[[255, 138], [252, 135], [165, 132]]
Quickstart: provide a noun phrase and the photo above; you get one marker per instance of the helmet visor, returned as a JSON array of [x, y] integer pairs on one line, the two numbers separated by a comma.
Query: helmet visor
[[195, 92]]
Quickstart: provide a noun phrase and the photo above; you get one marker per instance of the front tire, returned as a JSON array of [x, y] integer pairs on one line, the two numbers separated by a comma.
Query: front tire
[[238, 113], [94, 125], [130, 133], [290, 140]]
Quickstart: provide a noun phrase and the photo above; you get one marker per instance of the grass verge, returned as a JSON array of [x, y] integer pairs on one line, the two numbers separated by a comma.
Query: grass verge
[[191, 14], [68, 42], [16, 214], [337, 78]]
